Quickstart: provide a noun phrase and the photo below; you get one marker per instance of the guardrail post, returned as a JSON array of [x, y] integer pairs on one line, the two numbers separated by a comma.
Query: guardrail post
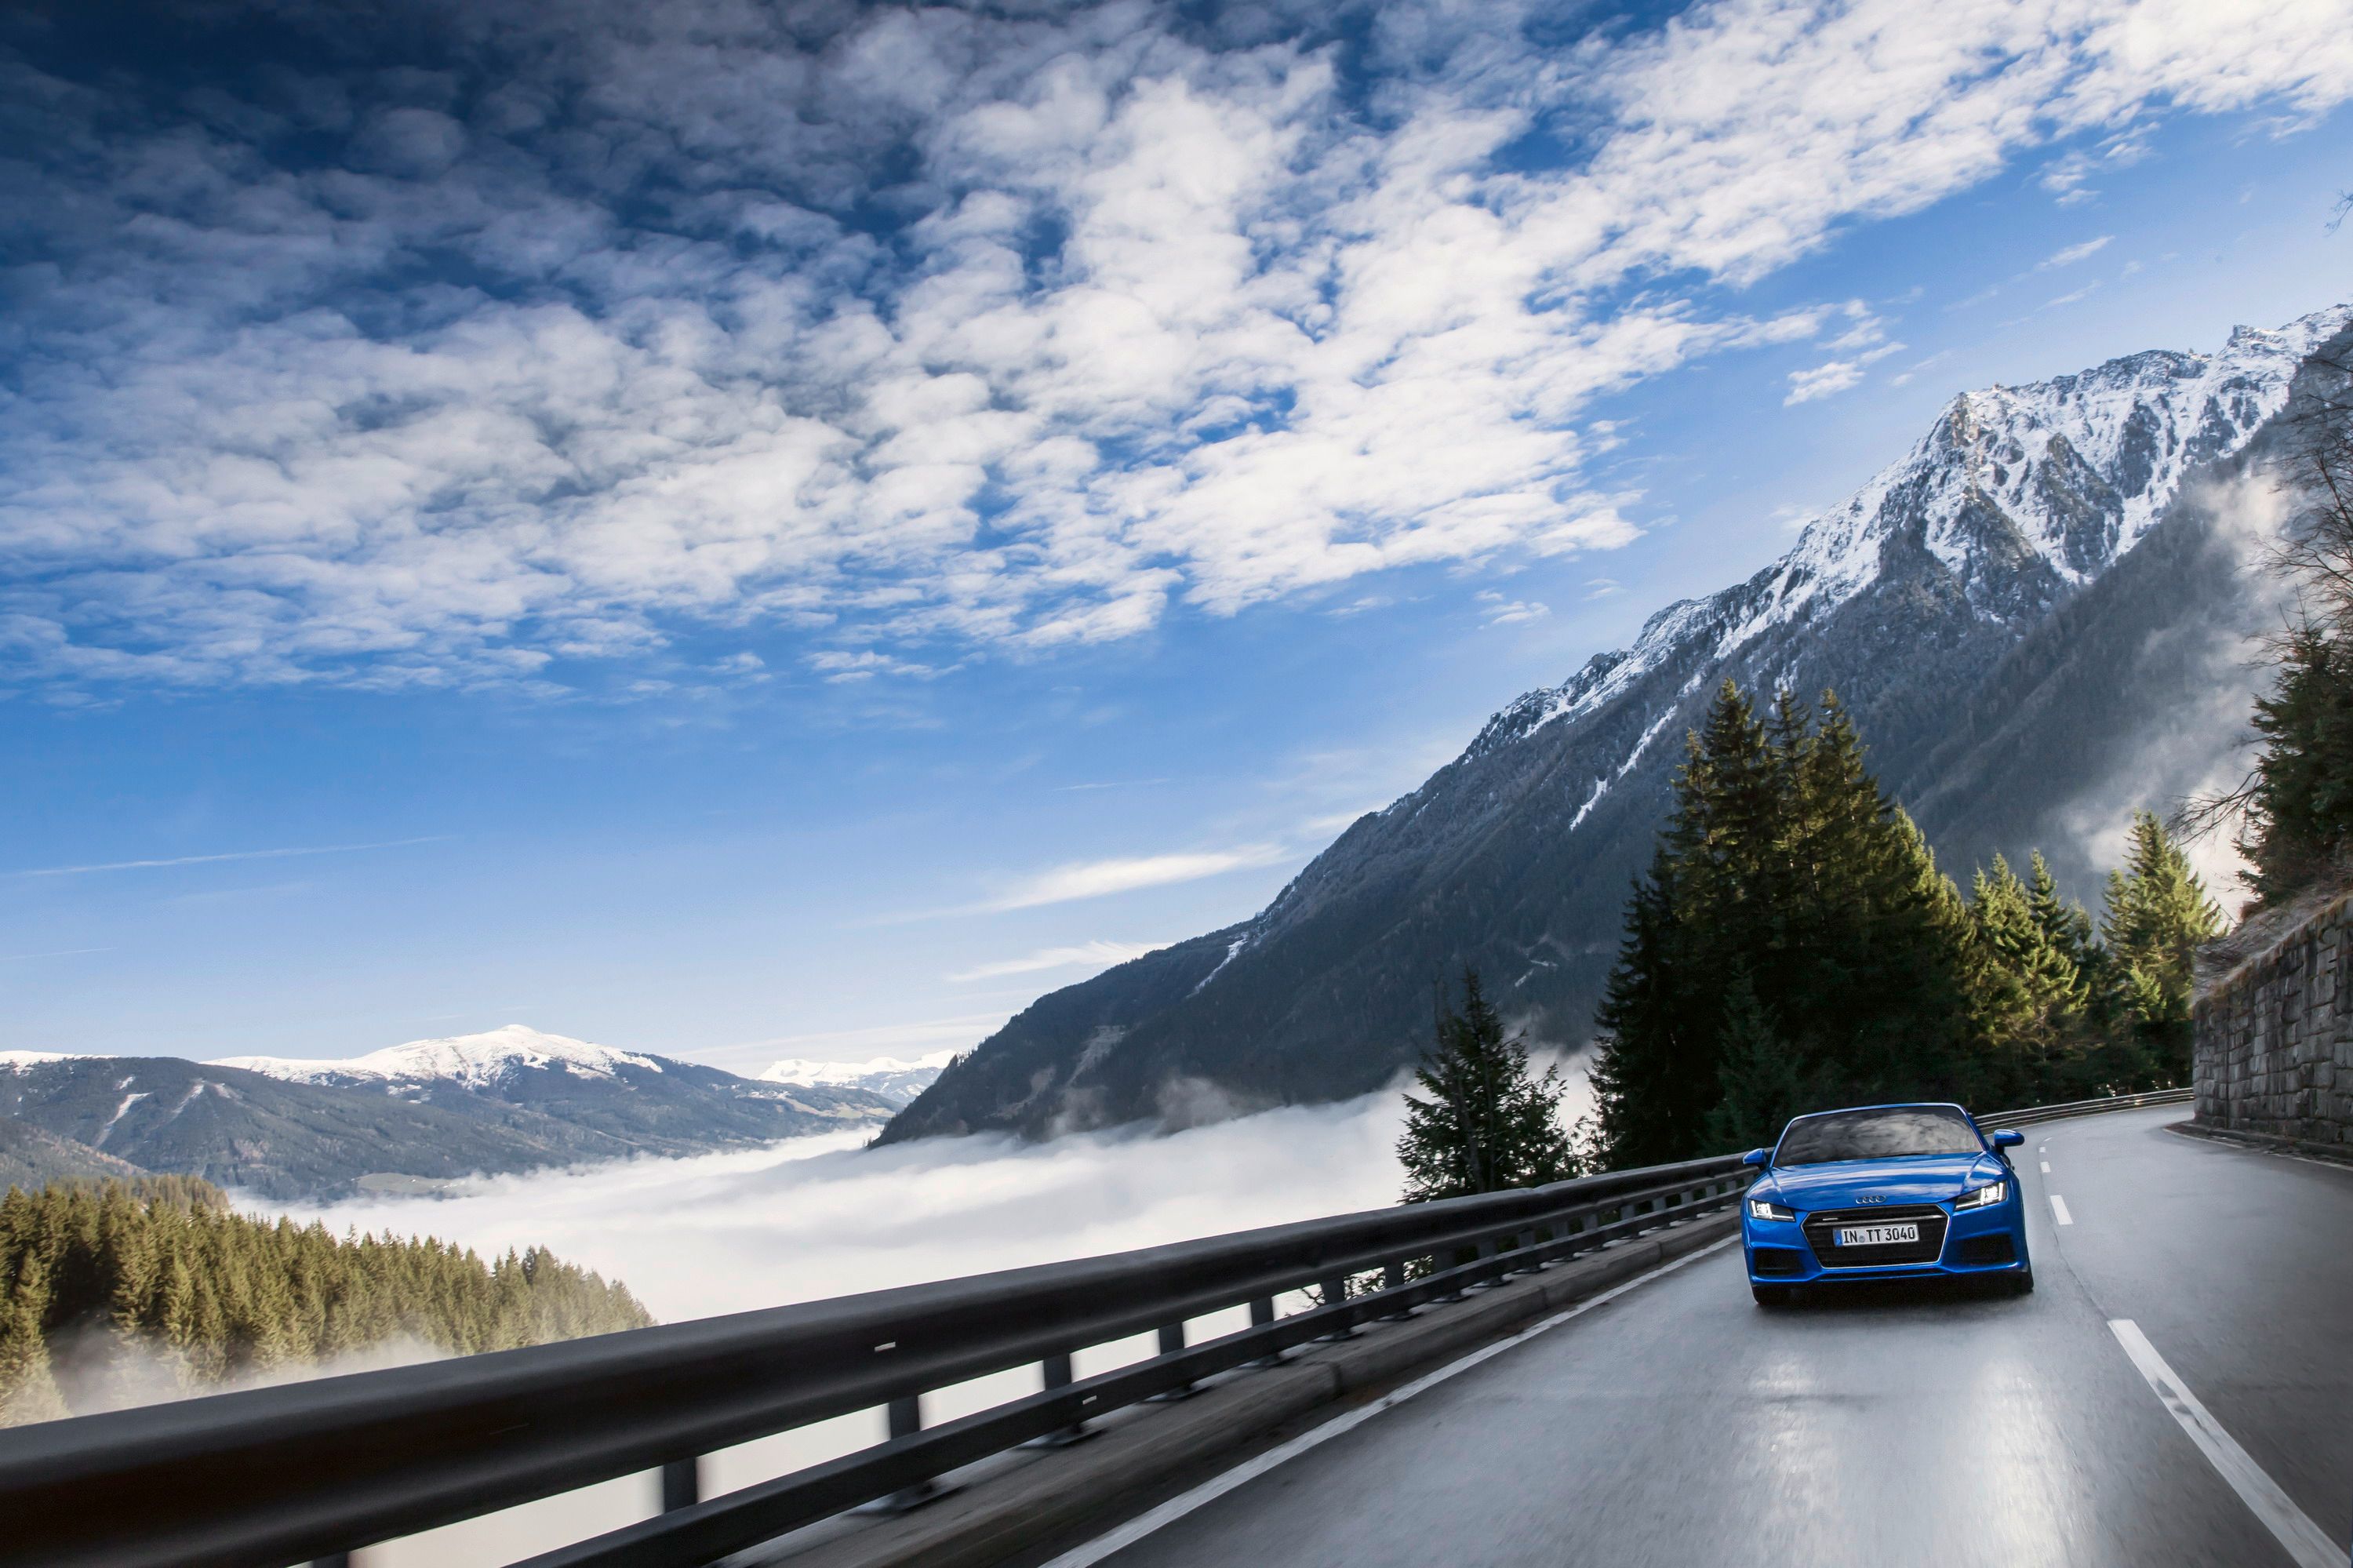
[[1055, 1370], [1262, 1310], [1393, 1278], [1172, 1339], [1528, 1244], [681, 1484], [1335, 1294], [906, 1419]]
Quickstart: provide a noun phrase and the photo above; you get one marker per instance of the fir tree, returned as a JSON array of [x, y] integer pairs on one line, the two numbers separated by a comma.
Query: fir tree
[[1782, 861], [28, 1390], [1759, 1083], [2030, 995], [1487, 1123], [1653, 1073], [2157, 913]]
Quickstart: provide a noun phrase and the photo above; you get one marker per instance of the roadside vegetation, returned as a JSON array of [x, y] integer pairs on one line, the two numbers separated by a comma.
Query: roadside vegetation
[[1483, 1122], [153, 1286], [1794, 944]]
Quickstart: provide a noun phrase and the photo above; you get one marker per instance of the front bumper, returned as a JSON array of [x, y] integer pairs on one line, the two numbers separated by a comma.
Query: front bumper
[[1778, 1252]]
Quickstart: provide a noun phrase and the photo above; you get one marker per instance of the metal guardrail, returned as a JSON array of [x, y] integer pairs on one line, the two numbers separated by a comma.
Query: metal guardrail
[[2091, 1107], [315, 1470]]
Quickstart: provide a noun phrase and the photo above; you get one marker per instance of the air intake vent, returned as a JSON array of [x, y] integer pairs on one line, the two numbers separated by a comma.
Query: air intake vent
[[1775, 1260], [1995, 1248]]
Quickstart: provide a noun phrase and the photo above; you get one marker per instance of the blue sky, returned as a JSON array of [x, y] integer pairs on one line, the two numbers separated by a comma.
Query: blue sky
[[745, 533]]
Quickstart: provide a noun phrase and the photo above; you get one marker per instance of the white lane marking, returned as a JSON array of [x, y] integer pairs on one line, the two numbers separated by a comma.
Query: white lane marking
[[1210, 1491], [2046, 1168], [2291, 1524], [2058, 1210]]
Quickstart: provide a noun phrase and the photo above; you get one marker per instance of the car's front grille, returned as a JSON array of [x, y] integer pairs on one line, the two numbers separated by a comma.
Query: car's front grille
[[1822, 1236]]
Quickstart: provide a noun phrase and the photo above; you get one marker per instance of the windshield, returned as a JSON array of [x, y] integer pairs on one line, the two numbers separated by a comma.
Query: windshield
[[1877, 1135]]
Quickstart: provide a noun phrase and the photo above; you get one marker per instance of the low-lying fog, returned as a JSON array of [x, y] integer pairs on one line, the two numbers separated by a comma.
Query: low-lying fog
[[825, 1216]]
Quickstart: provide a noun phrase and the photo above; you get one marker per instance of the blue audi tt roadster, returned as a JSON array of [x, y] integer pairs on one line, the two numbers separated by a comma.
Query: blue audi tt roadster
[[1883, 1192]]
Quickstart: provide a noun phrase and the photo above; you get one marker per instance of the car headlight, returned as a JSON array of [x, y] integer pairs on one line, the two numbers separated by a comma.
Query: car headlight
[[1982, 1197], [1758, 1209]]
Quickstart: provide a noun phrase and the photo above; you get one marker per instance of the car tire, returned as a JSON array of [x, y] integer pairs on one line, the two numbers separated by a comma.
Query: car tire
[[1770, 1295], [2024, 1284]]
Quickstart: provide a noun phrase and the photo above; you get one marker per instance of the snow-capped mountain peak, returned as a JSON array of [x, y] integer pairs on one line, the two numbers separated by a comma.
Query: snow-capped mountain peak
[[474, 1061], [2032, 490], [885, 1075]]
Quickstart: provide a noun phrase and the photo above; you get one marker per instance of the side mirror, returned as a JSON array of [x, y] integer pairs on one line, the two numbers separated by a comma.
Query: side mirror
[[2005, 1138], [1762, 1157]]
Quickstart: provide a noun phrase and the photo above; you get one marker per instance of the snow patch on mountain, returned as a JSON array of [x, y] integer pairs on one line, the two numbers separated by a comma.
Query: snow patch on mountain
[[2075, 470], [886, 1076], [474, 1061], [17, 1060]]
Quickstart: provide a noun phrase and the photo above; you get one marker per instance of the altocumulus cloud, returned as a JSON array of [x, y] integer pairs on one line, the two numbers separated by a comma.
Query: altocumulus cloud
[[535, 334]]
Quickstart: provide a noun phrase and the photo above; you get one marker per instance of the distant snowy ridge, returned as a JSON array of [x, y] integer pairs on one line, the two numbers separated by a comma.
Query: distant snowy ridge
[[14, 1060], [886, 1076], [474, 1061], [2073, 470]]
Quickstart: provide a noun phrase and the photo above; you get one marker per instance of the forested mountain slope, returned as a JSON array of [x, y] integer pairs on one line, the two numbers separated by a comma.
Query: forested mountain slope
[[512, 1099], [2036, 617]]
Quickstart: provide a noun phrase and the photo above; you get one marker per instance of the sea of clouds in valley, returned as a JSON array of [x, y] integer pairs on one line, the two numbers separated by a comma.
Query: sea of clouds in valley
[[824, 1216]]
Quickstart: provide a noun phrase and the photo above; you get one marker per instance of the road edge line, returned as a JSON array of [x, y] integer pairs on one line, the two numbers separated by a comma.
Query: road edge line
[[1120, 1538], [2306, 1541]]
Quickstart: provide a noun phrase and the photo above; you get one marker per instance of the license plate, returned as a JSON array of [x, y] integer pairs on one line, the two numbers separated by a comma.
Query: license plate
[[1877, 1236]]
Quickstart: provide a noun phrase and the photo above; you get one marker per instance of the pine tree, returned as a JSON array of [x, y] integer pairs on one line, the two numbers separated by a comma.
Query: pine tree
[[1487, 1123], [2030, 985], [2157, 913], [1758, 1082], [1783, 861], [28, 1390], [1654, 1067]]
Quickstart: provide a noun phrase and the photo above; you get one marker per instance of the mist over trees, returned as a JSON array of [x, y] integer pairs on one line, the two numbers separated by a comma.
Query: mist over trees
[[157, 1278], [1793, 945], [1483, 1121], [2295, 810]]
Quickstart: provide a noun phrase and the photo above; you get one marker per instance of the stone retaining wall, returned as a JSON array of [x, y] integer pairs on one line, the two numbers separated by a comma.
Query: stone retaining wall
[[2275, 1044]]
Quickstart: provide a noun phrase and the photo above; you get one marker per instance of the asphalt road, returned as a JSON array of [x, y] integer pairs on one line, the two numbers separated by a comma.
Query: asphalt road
[[1679, 1423]]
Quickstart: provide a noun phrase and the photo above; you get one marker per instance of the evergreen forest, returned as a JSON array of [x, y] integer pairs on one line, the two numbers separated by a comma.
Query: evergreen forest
[[117, 1292], [1793, 945]]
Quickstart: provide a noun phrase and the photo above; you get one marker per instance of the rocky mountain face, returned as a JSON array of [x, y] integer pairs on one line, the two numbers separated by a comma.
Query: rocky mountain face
[[409, 1118], [2039, 616]]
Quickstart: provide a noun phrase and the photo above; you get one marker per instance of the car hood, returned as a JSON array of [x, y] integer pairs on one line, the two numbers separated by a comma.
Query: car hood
[[1923, 1178]]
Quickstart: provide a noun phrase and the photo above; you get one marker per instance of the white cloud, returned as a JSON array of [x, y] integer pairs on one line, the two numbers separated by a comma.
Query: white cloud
[[865, 663], [1509, 612], [2075, 253], [1095, 955], [1099, 878], [1169, 321], [1835, 377], [278, 853]]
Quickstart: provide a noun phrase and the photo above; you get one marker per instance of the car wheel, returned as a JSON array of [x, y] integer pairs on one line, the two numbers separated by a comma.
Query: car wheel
[[1770, 1295], [2024, 1284]]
